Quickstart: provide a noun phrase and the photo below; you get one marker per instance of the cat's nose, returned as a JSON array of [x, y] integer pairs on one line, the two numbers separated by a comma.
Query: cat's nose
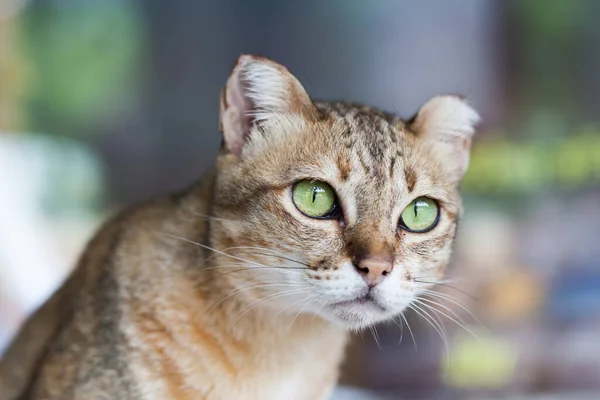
[[373, 269]]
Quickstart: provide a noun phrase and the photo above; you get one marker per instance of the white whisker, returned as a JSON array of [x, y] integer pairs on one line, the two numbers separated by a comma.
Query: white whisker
[[375, 336], [410, 331], [425, 315], [245, 288], [212, 249], [399, 325], [308, 302], [447, 297], [450, 318], [254, 304]]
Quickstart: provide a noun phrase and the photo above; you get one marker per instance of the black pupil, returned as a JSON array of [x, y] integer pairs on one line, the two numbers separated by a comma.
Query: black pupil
[[415, 209], [315, 190]]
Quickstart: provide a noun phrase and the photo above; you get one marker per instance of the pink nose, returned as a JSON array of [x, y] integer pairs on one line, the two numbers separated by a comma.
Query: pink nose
[[374, 270]]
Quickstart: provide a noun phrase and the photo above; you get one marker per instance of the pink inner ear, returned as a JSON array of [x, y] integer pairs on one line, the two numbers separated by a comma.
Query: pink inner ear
[[236, 115], [257, 89]]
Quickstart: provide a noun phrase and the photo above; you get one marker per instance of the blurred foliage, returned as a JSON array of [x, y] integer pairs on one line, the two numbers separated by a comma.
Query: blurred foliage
[[73, 180], [503, 166], [485, 361], [15, 73], [87, 58], [550, 35]]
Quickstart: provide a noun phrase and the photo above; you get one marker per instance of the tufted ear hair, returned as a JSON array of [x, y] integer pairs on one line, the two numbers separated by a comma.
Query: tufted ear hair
[[448, 122], [257, 90]]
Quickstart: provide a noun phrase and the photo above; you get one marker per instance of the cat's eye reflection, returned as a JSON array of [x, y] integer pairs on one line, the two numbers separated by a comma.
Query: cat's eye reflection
[[420, 216], [315, 199]]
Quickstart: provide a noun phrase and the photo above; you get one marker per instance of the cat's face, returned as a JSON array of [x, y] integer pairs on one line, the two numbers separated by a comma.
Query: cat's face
[[335, 209]]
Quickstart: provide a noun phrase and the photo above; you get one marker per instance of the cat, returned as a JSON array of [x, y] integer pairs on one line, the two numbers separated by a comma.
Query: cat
[[317, 219]]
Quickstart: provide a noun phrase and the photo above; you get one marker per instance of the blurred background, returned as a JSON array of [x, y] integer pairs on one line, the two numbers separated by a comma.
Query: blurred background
[[104, 103]]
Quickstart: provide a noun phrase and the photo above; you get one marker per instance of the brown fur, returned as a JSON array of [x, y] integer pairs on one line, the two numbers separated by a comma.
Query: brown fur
[[226, 291]]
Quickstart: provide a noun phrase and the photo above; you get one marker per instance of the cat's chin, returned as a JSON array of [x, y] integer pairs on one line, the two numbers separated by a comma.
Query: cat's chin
[[358, 314]]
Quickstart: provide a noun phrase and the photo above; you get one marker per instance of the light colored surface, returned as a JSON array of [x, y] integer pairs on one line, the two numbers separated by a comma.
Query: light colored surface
[[343, 393], [46, 217]]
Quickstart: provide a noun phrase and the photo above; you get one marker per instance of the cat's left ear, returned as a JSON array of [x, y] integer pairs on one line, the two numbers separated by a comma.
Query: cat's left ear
[[448, 122], [257, 90]]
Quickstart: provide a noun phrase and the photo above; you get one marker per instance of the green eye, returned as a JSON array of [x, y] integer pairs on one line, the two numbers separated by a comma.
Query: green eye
[[313, 198], [421, 215]]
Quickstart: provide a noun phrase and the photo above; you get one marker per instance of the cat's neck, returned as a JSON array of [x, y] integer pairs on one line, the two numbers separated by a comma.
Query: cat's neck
[[257, 343], [180, 318], [193, 282]]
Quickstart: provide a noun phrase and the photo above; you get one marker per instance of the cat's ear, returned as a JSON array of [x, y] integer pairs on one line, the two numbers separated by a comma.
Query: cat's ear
[[448, 122], [257, 90]]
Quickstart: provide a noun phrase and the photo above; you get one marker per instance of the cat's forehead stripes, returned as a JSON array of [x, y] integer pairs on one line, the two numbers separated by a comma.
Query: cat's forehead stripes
[[374, 139], [343, 165], [410, 176]]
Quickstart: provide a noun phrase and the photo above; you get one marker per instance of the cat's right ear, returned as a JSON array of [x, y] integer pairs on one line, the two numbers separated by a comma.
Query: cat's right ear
[[448, 123], [257, 90]]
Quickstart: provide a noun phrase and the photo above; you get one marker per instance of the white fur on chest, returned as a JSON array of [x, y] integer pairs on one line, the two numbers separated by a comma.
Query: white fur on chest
[[291, 384], [309, 372], [296, 385]]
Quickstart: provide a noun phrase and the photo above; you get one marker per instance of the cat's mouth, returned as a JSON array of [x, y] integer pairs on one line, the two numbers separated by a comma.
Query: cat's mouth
[[359, 312], [364, 302]]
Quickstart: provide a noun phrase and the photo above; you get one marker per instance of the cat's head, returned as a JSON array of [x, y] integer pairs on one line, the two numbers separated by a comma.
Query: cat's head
[[334, 208]]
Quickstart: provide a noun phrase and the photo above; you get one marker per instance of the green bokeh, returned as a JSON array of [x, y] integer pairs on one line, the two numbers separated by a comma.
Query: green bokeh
[[86, 57]]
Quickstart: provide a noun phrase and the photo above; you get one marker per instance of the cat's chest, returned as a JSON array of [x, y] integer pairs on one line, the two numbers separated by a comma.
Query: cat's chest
[[303, 368], [310, 377], [293, 385]]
